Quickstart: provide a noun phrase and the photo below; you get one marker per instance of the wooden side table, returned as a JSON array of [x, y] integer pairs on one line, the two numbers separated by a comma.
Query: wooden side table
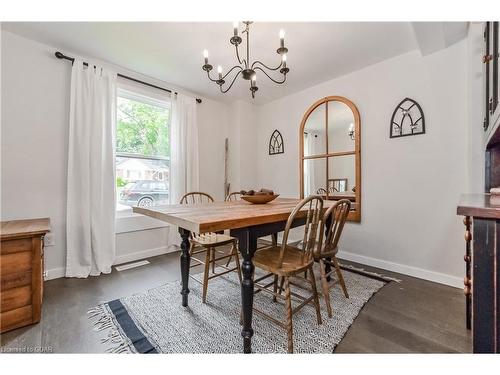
[[482, 280], [21, 272]]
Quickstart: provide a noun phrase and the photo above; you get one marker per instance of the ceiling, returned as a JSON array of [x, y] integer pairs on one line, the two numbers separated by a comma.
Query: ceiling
[[172, 51]]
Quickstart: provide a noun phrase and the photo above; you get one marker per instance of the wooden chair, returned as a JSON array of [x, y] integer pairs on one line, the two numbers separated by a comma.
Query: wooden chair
[[234, 196], [332, 190], [321, 191], [209, 243], [331, 229], [286, 261]]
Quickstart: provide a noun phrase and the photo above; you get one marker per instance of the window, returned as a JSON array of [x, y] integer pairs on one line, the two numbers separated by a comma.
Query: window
[[142, 150]]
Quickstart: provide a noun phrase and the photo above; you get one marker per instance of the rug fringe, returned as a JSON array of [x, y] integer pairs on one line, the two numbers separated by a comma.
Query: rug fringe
[[115, 340], [362, 270]]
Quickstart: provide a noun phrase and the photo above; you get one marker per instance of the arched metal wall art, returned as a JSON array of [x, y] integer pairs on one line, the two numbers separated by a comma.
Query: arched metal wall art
[[407, 119], [276, 145]]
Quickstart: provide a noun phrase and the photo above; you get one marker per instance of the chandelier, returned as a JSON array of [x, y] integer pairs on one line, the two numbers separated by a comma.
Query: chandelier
[[248, 71]]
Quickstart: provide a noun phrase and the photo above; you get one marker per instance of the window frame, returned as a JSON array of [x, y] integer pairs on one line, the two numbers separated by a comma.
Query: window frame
[[126, 220]]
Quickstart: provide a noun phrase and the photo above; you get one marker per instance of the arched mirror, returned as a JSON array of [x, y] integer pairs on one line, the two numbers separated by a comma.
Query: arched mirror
[[330, 152]]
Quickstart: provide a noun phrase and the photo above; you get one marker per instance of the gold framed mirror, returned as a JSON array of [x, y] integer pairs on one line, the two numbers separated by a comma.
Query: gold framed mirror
[[330, 152]]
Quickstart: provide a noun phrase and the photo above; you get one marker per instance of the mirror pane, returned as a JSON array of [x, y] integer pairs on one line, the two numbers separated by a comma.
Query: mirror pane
[[340, 127], [342, 177], [314, 177], [315, 132]]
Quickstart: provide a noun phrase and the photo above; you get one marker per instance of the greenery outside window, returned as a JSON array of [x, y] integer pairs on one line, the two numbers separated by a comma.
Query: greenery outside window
[[142, 150]]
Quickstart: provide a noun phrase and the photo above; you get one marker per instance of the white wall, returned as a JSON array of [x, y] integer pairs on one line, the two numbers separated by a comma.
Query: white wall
[[242, 142], [411, 185], [476, 88], [34, 130]]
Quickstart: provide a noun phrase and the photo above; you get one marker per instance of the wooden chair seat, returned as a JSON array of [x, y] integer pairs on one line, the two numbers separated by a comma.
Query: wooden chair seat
[[212, 239], [325, 253], [268, 259]]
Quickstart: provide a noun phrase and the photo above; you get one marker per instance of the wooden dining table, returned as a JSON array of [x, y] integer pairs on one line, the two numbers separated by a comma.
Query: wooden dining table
[[245, 221]]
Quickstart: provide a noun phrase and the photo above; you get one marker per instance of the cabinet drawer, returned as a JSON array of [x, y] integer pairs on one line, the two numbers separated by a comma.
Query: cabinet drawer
[[15, 318], [15, 280], [15, 246], [14, 298], [15, 263]]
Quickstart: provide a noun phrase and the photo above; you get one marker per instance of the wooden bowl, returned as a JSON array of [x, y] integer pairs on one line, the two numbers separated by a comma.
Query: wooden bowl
[[260, 198]]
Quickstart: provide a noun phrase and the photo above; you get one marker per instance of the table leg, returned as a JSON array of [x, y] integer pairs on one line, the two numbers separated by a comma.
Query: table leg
[[274, 237], [185, 261], [248, 245]]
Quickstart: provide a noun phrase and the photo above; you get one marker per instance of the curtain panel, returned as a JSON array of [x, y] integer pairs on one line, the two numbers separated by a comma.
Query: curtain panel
[[90, 225], [184, 160]]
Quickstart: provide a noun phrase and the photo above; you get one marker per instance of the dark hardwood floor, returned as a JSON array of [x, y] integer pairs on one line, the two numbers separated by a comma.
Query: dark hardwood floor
[[412, 316]]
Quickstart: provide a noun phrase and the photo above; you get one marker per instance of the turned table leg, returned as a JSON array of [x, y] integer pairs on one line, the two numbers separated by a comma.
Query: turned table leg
[[185, 261], [467, 279], [247, 245], [247, 269]]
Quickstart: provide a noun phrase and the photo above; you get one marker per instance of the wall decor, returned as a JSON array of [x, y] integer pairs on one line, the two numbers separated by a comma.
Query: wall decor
[[276, 145], [407, 119]]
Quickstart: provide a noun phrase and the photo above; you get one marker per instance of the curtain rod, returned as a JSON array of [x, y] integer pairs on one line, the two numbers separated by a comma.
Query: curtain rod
[[60, 55]]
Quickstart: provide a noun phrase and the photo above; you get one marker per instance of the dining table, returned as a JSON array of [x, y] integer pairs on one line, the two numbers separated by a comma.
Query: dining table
[[245, 221]]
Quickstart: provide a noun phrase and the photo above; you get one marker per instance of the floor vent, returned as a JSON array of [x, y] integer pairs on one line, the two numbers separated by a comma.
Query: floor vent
[[124, 267]]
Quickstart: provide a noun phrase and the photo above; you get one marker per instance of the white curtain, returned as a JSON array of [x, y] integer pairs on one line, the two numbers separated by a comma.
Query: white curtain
[[184, 162], [309, 175], [90, 225]]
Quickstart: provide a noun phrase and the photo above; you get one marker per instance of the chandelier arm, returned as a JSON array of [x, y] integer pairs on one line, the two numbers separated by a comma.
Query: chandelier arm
[[240, 61], [265, 66], [229, 72], [210, 78], [268, 76], [231, 85]]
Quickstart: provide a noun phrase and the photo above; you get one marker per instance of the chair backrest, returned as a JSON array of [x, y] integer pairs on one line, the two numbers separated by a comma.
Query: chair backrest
[[321, 191], [312, 208], [234, 196], [332, 225], [331, 190], [196, 197]]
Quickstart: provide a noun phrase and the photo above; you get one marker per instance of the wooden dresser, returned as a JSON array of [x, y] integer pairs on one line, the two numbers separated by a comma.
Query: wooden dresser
[[482, 273], [21, 272]]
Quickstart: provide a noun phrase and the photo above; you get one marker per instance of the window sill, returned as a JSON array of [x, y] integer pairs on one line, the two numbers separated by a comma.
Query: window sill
[[127, 221]]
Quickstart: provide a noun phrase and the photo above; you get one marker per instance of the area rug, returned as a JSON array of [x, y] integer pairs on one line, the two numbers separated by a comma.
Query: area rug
[[155, 322]]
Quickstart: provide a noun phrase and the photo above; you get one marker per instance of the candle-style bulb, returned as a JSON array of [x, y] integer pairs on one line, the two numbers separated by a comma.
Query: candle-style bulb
[[282, 38], [235, 28], [219, 70], [283, 59], [205, 56]]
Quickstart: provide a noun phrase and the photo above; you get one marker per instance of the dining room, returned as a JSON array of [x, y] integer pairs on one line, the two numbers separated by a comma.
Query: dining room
[[198, 187]]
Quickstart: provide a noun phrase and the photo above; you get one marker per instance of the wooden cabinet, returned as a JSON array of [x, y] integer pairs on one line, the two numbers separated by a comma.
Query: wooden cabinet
[[21, 272], [482, 280]]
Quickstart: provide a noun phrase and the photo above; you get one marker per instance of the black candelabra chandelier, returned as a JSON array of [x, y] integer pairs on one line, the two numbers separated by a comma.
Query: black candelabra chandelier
[[248, 71]]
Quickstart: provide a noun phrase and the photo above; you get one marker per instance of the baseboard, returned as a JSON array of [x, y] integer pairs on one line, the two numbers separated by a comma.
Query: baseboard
[[148, 253], [419, 273], [56, 273]]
